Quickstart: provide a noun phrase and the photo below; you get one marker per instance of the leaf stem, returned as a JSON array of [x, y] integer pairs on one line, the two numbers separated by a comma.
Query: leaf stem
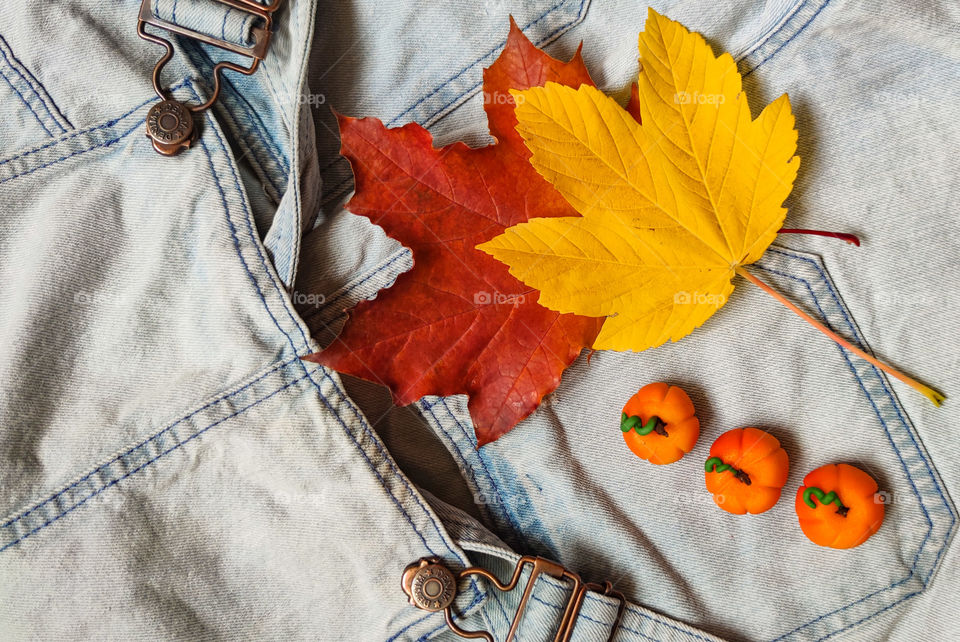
[[852, 239], [926, 391]]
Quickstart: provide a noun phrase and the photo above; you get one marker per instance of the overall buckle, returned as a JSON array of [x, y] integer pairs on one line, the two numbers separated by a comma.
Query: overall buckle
[[431, 586], [170, 123]]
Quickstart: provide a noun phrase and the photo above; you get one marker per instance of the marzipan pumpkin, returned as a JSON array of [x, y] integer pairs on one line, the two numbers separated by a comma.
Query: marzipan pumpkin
[[746, 470], [659, 423], [838, 506]]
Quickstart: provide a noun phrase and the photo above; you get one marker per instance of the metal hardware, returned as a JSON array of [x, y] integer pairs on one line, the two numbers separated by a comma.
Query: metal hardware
[[171, 128], [431, 586], [607, 589]]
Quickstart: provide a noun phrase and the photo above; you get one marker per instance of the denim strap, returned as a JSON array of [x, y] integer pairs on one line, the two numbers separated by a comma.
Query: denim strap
[[598, 613], [216, 19], [544, 609]]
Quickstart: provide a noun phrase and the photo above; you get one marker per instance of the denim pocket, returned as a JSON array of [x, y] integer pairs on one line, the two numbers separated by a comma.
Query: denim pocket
[[564, 485], [27, 112]]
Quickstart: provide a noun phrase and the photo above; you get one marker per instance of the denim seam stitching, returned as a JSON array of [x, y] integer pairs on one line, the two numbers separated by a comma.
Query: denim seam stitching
[[341, 398], [77, 152], [254, 241], [296, 138], [26, 103], [283, 239], [514, 525], [457, 450], [477, 598], [4, 47], [223, 25], [864, 619], [437, 115], [263, 300], [49, 104], [883, 383], [336, 189], [923, 457], [896, 406], [887, 430], [110, 123], [271, 146], [308, 373], [772, 33], [114, 482], [876, 410], [497, 598], [622, 626], [269, 164], [326, 375], [456, 76], [863, 387], [790, 39], [462, 456], [353, 285], [146, 441]]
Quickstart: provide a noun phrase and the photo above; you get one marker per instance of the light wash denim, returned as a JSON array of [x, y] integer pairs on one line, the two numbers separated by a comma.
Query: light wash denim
[[170, 469]]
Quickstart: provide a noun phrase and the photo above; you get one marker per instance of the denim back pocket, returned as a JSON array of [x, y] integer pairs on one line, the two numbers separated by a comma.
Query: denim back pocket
[[564, 485]]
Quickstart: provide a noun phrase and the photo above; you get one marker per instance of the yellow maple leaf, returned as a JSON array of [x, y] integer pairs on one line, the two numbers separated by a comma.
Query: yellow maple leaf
[[671, 207]]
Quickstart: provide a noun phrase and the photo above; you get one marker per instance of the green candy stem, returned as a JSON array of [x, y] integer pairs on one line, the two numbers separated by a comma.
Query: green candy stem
[[628, 423], [825, 498], [648, 427], [716, 465]]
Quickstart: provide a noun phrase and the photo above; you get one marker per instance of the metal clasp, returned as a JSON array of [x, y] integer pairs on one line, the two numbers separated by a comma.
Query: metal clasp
[[431, 586], [170, 122]]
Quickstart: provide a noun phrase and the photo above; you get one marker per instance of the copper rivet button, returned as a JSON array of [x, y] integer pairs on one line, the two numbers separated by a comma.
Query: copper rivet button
[[170, 127], [429, 584]]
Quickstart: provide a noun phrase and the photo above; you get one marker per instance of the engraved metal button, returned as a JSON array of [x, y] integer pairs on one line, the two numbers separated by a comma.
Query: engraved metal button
[[170, 124], [429, 584], [170, 127]]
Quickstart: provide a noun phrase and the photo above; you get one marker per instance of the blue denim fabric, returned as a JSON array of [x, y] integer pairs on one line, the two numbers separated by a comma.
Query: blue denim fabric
[[169, 468]]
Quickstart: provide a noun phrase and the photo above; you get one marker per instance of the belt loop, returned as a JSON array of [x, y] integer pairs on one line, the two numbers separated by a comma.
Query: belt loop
[[170, 123]]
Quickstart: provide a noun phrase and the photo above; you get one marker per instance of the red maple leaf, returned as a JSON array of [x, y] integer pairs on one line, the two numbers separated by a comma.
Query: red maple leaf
[[458, 322]]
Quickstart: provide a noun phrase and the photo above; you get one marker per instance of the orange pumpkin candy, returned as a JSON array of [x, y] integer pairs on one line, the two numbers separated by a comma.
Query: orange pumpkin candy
[[659, 423], [746, 471], [838, 506]]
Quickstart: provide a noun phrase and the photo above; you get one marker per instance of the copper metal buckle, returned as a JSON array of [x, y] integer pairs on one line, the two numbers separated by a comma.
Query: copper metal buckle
[[170, 122], [431, 586]]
